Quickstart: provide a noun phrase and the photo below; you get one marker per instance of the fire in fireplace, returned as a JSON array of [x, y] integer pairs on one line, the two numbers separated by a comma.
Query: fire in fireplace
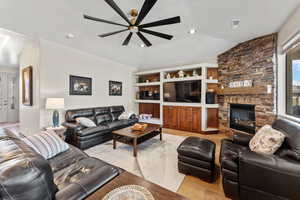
[[242, 117]]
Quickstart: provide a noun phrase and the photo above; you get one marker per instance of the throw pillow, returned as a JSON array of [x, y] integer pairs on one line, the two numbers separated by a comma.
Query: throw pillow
[[46, 143], [126, 115], [266, 141], [85, 122]]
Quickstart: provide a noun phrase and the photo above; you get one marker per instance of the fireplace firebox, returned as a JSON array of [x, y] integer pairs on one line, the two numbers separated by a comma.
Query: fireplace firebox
[[242, 117]]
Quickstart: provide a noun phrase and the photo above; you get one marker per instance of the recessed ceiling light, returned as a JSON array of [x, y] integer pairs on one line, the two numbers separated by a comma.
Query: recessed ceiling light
[[70, 36], [142, 45], [192, 31], [235, 23]]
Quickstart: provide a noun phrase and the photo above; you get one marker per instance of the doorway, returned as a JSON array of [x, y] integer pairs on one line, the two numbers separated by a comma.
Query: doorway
[[9, 96]]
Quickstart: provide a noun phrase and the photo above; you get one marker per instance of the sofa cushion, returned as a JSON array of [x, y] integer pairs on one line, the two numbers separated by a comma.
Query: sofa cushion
[[267, 140], [24, 174], [116, 111], [117, 124], [83, 177], [71, 115], [93, 130], [47, 144], [66, 158]]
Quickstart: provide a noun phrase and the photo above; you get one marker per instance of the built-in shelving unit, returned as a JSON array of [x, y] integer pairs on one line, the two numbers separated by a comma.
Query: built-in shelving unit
[[155, 79], [146, 101], [147, 84]]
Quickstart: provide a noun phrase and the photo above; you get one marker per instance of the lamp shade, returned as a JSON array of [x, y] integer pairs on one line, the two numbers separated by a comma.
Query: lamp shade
[[55, 103]]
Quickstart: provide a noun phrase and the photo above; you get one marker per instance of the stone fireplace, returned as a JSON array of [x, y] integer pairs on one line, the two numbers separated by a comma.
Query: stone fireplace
[[242, 117], [254, 60]]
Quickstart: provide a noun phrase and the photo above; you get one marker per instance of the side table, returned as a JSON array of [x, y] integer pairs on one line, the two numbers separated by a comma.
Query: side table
[[60, 131]]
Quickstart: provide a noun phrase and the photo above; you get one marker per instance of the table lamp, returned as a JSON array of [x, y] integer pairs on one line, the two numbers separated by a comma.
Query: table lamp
[[55, 104]]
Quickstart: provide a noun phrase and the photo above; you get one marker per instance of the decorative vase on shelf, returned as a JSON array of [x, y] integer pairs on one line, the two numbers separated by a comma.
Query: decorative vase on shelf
[[181, 74], [195, 73], [168, 76]]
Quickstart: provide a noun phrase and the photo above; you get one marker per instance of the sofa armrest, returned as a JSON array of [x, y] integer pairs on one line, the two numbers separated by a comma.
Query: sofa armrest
[[269, 173], [242, 139]]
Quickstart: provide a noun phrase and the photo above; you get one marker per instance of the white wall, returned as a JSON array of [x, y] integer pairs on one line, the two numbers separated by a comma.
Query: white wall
[[9, 69], [58, 62], [29, 115]]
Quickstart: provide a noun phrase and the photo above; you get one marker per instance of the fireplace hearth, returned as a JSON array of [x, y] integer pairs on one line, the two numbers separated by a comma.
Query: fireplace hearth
[[242, 117]]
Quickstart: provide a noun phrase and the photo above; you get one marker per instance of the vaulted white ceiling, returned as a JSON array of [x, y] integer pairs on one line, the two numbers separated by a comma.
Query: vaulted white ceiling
[[52, 20], [11, 45]]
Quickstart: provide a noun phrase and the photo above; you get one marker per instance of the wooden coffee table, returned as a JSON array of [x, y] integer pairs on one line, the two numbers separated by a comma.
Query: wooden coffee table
[[127, 178], [134, 138]]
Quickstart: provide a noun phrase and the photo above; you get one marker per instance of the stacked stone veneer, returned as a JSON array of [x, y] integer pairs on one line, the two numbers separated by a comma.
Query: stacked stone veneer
[[252, 60]]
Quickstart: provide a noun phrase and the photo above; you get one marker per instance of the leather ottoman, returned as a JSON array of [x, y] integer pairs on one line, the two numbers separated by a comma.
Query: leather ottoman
[[196, 157]]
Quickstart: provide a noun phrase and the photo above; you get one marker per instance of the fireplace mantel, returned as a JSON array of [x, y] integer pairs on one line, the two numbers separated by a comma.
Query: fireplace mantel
[[245, 90]]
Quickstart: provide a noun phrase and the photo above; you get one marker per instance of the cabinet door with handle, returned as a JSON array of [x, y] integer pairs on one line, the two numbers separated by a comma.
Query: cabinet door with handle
[[196, 119], [185, 118], [170, 117]]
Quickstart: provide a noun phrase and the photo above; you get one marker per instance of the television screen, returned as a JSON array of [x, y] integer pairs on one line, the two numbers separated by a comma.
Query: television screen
[[186, 91]]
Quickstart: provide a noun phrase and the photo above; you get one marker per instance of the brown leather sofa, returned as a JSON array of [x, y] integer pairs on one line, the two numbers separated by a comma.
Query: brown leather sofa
[[71, 175], [247, 175], [106, 119]]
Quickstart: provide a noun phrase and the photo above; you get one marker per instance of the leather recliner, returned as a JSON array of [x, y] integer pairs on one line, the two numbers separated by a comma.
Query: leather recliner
[[71, 175], [247, 175], [106, 119]]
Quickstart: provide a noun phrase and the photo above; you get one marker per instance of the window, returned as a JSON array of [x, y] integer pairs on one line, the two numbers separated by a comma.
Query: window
[[293, 83]]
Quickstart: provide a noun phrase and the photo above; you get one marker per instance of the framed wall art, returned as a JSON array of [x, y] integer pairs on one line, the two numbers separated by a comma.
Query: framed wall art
[[80, 85], [27, 93], [115, 88]]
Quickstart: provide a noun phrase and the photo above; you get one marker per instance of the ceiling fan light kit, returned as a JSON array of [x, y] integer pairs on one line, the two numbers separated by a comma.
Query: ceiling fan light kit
[[134, 24]]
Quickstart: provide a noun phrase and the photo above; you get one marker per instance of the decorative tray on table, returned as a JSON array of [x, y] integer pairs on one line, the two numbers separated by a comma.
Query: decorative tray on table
[[129, 192]]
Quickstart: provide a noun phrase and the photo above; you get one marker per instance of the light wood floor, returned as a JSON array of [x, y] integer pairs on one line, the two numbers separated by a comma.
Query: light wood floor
[[194, 188]]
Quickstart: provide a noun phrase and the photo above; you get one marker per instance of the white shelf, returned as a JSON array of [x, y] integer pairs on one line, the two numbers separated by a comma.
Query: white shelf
[[147, 84], [211, 81], [212, 105], [182, 104], [211, 129], [146, 101], [192, 78], [151, 121]]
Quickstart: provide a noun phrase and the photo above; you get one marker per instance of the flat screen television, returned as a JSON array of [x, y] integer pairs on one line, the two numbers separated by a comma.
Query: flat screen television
[[185, 91]]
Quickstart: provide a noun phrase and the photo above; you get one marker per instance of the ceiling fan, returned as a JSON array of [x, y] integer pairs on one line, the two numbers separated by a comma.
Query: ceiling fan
[[134, 25]]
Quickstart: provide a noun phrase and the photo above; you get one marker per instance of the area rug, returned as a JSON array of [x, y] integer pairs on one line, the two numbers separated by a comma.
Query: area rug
[[156, 160]]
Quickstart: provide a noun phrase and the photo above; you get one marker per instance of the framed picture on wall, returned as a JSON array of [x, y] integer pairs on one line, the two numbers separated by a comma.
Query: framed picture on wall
[[27, 94], [115, 88], [80, 85]]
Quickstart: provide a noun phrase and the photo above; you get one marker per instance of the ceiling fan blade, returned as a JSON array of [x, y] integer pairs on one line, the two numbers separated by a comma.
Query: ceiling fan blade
[[146, 42], [162, 35], [163, 22], [112, 33], [147, 6], [126, 41], [102, 20], [118, 10]]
